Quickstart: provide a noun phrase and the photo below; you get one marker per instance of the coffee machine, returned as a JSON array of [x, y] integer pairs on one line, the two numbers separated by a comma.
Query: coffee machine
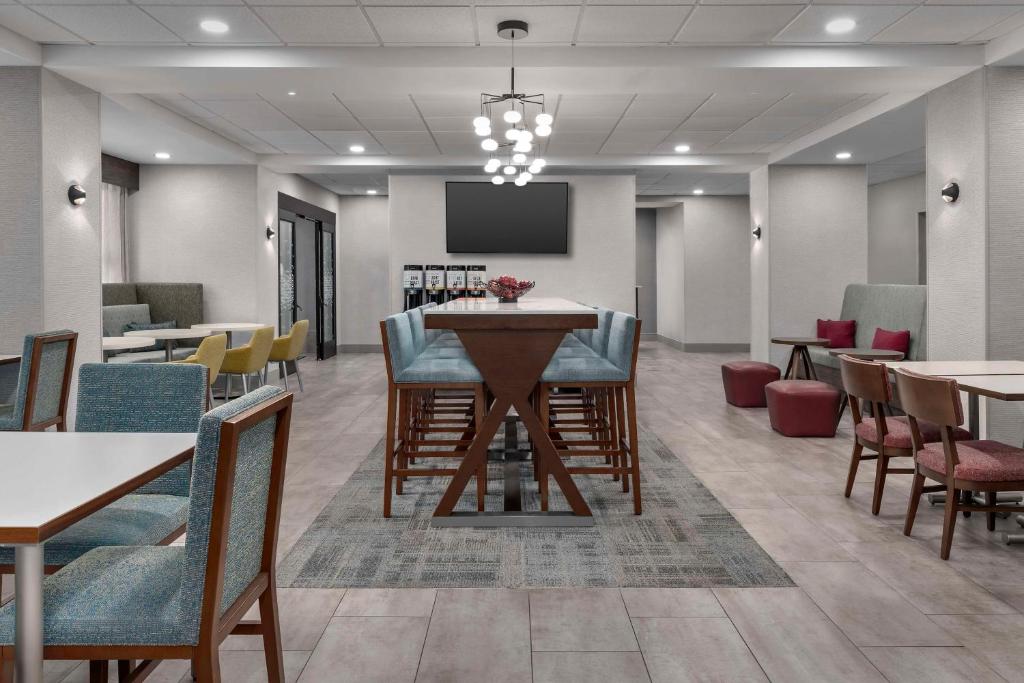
[[412, 284]]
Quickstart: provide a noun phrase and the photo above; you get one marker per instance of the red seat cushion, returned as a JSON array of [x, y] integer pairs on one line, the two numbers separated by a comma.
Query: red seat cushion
[[841, 334], [898, 432], [892, 340], [803, 407], [744, 382], [979, 460]]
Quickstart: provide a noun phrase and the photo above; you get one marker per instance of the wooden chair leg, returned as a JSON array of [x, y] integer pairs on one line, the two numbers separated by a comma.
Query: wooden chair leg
[[6, 668], [881, 468], [271, 635], [545, 419], [634, 446], [916, 491], [990, 517], [949, 521], [481, 477], [206, 665], [99, 671], [403, 436], [620, 418], [389, 450], [858, 448]]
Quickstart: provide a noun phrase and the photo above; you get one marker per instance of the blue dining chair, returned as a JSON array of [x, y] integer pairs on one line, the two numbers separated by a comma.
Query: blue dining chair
[[131, 397], [149, 603], [34, 391]]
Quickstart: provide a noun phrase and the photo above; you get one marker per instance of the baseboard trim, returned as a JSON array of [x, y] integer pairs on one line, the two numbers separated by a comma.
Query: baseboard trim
[[667, 341], [360, 348], [717, 348]]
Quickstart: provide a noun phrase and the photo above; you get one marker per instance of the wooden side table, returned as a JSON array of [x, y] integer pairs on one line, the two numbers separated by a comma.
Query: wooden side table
[[799, 355]]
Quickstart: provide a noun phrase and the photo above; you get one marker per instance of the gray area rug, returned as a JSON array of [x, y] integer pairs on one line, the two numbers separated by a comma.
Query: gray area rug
[[685, 538]]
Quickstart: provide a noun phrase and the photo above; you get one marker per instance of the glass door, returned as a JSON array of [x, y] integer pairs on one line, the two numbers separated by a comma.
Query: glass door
[[326, 337], [287, 302]]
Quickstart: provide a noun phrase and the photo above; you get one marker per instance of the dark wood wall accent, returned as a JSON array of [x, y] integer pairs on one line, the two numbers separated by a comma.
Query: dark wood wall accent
[[288, 203], [120, 172]]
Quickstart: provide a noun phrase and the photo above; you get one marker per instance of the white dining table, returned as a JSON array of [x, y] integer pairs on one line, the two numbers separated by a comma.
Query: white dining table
[[169, 336], [52, 480], [9, 358], [228, 328]]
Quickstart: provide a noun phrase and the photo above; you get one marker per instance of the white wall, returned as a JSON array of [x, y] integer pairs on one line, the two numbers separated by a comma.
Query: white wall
[[893, 209], [199, 224], [671, 247], [363, 263], [647, 268], [599, 269], [717, 271], [760, 266]]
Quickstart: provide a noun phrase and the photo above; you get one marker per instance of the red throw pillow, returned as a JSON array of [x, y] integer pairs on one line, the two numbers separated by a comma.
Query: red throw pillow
[[841, 334], [892, 340]]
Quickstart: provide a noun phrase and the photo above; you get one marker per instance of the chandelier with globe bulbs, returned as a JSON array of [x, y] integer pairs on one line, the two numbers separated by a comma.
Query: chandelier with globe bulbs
[[513, 157]]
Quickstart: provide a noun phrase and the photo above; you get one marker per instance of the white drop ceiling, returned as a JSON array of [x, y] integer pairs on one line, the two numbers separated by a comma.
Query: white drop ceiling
[[742, 82]]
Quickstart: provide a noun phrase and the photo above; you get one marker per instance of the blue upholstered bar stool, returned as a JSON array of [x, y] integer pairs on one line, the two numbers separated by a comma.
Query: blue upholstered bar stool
[[151, 603], [432, 390], [131, 397], [34, 391], [609, 378]]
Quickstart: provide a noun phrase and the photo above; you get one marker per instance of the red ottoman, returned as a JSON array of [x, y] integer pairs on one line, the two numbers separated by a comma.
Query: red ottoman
[[800, 407], [745, 380]]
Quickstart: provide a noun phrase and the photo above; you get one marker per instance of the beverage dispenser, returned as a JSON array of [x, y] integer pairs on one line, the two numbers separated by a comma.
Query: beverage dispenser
[[412, 283], [433, 284], [455, 282], [476, 281]]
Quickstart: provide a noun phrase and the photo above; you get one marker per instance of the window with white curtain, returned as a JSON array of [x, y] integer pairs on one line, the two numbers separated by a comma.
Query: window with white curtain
[[114, 233]]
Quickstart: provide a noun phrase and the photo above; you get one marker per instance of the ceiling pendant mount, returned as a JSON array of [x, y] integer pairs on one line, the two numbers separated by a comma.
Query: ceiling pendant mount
[[513, 109]]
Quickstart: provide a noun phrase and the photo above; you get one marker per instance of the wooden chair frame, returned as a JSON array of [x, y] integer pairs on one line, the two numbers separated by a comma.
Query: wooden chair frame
[[949, 482], [869, 382], [59, 421], [608, 412], [417, 410], [214, 626]]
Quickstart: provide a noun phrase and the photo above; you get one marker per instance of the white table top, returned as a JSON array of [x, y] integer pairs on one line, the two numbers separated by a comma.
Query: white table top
[[961, 367], [49, 475], [9, 358], [173, 333], [1000, 387], [122, 343], [526, 305], [229, 327]]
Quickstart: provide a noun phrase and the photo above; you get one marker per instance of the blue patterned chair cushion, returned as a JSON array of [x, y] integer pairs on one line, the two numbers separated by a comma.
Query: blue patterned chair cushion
[[136, 519], [179, 353], [401, 345], [599, 337], [419, 333], [621, 332], [440, 370], [434, 351], [113, 596], [580, 351], [582, 369]]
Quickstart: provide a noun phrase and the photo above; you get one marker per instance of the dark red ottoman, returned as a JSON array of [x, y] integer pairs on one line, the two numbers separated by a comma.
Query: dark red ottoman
[[800, 407], [745, 380]]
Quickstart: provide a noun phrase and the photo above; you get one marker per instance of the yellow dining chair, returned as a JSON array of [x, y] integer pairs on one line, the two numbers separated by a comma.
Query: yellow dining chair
[[286, 349], [211, 354], [249, 359]]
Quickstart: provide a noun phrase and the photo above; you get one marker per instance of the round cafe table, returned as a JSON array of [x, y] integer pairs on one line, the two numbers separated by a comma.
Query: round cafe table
[[125, 344], [228, 328], [169, 336], [799, 355]]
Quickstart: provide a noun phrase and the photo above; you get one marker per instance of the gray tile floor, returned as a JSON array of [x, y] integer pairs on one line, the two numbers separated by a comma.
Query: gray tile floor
[[870, 604]]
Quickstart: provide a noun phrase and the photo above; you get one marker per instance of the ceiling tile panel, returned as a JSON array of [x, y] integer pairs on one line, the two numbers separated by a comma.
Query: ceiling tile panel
[[944, 24], [547, 24], [648, 123], [585, 123], [318, 25], [293, 141], [33, 26], [183, 106], [250, 115], [758, 137], [109, 23], [811, 104], [809, 27], [246, 28], [779, 123], [434, 105], [450, 124], [393, 123], [592, 105], [304, 3], [738, 104], [698, 140], [666, 105], [340, 141], [748, 24], [713, 123], [379, 106], [631, 24], [423, 25], [338, 123]]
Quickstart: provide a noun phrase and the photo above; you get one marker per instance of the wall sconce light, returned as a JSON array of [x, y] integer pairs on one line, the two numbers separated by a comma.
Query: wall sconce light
[[76, 195], [756, 232], [270, 233], [951, 192]]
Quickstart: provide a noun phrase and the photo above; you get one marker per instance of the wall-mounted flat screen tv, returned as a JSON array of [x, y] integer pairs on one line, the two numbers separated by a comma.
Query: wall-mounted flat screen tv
[[483, 218]]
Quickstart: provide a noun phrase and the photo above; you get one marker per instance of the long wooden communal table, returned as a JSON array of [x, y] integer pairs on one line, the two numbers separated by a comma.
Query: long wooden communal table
[[511, 344]]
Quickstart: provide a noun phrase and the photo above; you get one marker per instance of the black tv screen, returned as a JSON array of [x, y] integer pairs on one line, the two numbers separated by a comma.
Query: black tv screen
[[484, 218]]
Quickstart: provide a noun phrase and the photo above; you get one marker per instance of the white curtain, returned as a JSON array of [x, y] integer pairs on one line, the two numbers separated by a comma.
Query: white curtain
[[114, 234]]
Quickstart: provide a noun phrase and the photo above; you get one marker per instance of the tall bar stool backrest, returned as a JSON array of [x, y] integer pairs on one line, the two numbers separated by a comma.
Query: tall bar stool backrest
[[143, 397], [235, 503], [622, 337], [43, 381], [432, 335], [934, 399], [419, 332], [599, 337], [866, 381], [398, 342]]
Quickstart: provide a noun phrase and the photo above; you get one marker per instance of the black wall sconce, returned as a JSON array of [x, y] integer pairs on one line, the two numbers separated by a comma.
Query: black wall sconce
[[270, 233], [76, 195], [951, 192], [756, 232]]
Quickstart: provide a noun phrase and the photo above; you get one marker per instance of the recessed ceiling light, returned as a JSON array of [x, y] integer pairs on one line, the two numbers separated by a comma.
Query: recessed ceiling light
[[371, 192], [698, 191], [163, 155], [843, 156], [292, 93], [841, 25], [682, 148], [358, 149], [213, 26]]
